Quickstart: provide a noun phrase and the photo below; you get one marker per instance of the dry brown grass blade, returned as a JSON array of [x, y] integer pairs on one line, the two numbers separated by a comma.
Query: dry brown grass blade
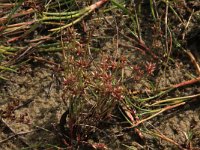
[[156, 114], [163, 137], [184, 83], [194, 62], [6, 5], [3, 20]]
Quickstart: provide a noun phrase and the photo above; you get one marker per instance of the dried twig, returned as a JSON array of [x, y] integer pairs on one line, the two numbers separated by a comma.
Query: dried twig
[[13, 132]]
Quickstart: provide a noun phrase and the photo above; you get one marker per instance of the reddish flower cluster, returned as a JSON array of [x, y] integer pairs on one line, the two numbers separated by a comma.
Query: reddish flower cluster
[[150, 67]]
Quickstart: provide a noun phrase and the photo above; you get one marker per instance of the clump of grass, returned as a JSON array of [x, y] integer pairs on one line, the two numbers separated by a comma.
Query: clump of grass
[[95, 83]]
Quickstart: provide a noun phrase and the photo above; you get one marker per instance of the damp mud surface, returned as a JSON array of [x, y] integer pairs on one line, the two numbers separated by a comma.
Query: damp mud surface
[[32, 104]]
